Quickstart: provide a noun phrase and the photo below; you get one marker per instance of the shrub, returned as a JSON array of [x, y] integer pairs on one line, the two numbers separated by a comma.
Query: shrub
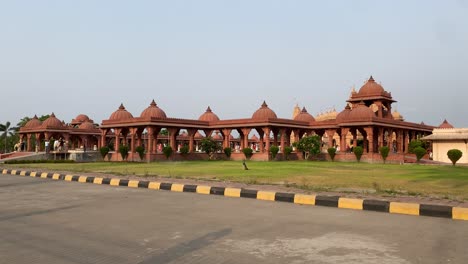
[[167, 150], [332, 153], [414, 144], [454, 155], [209, 146], [227, 152], [248, 152], [420, 152], [104, 151], [141, 151], [309, 145], [287, 151], [358, 152], [123, 151], [274, 151], [384, 152], [184, 150]]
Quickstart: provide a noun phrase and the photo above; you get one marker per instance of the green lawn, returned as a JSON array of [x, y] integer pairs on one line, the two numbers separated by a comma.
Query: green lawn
[[428, 180]]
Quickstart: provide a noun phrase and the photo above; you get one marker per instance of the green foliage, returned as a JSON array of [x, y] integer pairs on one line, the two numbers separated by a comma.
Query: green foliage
[[414, 144], [332, 153], [7, 131], [287, 150], [123, 149], [358, 152], [420, 152], [274, 151], [227, 152], [454, 155], [167, 150], [184, 150], [248, 152], [310, 145], [104, 151], [384, 152], [164, 132], [141, 151], [209, 146]]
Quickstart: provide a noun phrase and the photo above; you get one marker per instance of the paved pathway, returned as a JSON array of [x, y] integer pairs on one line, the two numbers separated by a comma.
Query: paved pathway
[[46, 221]]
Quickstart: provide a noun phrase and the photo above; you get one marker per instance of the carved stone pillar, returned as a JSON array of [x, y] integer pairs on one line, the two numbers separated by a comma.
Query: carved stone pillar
[[370, 138], [266, 131], [344, 134]]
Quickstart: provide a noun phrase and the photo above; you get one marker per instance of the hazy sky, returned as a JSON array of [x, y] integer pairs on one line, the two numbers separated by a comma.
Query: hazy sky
[[73, 57]]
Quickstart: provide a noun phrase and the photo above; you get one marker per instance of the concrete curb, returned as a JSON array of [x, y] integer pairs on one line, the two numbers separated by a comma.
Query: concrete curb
[[458, 213]]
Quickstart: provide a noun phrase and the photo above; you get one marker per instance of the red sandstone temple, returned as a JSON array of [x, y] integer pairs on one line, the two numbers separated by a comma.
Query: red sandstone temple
[[367, 120]]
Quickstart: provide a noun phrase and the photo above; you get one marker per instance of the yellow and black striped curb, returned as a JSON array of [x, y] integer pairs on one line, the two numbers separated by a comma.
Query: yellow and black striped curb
[[459, 213]]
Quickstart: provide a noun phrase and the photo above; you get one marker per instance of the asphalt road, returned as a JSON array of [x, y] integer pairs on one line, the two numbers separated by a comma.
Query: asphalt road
[[47, 221]]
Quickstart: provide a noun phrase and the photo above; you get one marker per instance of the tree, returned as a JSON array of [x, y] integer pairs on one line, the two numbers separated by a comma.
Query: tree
[[164, 132], [287, 151], [7, 130], [123, 149], [332, 153], [414, 144], [228, 152], [358, 152], [167, 150], [420, 152], [141, 151], [454, 155], [274, 151], [248, 152], [104, 151], [209, 146], [309, 145], [384, 152]]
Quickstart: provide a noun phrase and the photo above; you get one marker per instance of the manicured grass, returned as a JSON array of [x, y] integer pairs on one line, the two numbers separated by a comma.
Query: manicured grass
[[428, 180]]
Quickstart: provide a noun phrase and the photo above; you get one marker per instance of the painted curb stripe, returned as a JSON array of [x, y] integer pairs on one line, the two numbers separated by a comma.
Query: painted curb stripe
[[284, 197], [460, 213], [143, 184], [165, 186], [56, 176], [123, 183], [435, 210], [246, 193], [44, 175], [404, 208], [4, 171], [13, 172], [175, 187], [304, 199], [218, 190], [32, 174], [82, 179], [23, 173], [350, 203], [133, 184], [68, 177], [190, 188], [97, 181], [266, 196], [331, 201], [106, 181], [376, 205], [232, 192], [203, 189], [154, 185], [90, 179]]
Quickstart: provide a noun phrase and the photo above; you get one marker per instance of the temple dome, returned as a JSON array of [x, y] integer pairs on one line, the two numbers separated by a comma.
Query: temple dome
[[371, 88], [82, 118], [264, 112], [304, 116], [445, 124], [121, 114], [153, 111], [208, 116], [361, 113], [34, 122], [52, 121], [86, 125], [343, 116]]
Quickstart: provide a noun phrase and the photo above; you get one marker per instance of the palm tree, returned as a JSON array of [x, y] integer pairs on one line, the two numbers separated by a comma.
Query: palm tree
[[7, 131]]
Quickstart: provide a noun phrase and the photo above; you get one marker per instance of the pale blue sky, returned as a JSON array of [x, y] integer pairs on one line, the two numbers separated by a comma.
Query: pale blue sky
[[87, 57]]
